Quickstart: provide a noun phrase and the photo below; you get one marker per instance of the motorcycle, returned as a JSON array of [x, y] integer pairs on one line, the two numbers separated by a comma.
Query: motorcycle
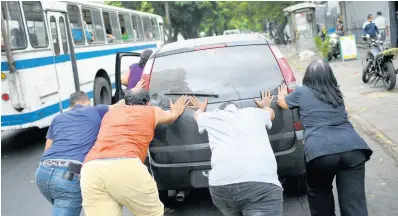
[[379, 64], [334, 44]]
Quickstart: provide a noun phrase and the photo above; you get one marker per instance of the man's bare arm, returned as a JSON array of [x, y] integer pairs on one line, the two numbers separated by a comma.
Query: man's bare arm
[[167, 117], [125, 78], [199, 106], [271, 111], [49, 142]]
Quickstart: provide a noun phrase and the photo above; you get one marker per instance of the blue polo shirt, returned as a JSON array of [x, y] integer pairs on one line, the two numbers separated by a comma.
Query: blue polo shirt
[[74, 132]]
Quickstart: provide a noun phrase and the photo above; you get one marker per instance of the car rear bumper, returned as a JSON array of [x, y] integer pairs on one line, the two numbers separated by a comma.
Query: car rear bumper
[[194, 175]]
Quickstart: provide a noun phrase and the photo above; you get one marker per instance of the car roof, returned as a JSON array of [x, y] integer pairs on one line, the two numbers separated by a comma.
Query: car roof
[[229, 40]]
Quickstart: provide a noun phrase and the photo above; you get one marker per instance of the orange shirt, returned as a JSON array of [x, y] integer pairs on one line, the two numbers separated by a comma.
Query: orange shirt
[[126, 131]]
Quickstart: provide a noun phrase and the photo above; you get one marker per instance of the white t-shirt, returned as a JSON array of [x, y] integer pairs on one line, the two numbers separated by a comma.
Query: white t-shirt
[[241, 150], [381, 23]]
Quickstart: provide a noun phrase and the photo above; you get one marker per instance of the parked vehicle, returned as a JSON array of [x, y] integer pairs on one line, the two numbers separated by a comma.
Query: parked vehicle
[[222, 68], [232, 31], [379, 65]]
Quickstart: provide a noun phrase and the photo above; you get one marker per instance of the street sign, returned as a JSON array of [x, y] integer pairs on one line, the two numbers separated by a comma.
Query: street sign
[[348, 47]]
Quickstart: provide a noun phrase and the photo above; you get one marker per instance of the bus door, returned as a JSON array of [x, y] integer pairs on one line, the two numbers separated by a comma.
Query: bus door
[[61, 56]]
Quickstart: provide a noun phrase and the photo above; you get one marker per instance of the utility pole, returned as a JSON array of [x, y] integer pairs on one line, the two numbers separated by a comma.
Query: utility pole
[[168, 21]]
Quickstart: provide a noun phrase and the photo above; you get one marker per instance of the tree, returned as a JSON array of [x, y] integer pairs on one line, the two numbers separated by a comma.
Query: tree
[[191, 17]]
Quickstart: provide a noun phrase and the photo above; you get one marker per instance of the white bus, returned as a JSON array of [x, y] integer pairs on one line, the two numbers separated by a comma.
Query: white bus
[[58, 48]]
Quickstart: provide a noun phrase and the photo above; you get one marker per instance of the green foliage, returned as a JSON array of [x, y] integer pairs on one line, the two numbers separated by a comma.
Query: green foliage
[[322, 47], [318, 43], [325, 47], [213, 17]]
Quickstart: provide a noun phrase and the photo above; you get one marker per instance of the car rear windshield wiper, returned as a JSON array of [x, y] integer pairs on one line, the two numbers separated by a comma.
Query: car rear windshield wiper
[[193, 94]]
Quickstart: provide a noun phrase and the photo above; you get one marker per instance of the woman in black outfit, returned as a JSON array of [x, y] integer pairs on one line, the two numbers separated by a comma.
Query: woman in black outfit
[[332, 146]]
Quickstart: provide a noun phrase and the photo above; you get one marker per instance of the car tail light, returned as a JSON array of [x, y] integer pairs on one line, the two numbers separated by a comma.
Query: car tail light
[[297, 126], [287, 72], [212, 46], [5, 97], [146, 74]]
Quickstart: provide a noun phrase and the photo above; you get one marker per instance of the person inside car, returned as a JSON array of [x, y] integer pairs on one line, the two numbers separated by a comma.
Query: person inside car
[[114, 174], [243, 178], [332, 146], [131, 78]]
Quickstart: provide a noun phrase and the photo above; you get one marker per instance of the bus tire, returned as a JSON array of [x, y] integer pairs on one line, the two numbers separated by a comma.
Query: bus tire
[[102, 91]]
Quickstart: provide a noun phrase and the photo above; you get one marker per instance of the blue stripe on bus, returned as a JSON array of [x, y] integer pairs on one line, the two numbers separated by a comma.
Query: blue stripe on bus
[[24, 118], [43, 61]]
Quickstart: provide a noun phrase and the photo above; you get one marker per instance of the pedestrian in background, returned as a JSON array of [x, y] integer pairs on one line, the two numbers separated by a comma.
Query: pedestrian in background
[[382, 25], [243, 179], [69, 138], [332, 146], [114, 174], [370, 29], [131, 78]]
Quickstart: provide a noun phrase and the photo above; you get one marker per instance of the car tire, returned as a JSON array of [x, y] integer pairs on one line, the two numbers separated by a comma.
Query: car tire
[[296, 185], [102, 91]]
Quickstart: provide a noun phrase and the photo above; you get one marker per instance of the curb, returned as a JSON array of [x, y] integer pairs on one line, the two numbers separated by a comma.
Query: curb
[[377, 135]]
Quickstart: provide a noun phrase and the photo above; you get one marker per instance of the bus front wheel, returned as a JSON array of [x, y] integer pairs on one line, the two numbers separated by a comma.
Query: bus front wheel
[[102, 91]]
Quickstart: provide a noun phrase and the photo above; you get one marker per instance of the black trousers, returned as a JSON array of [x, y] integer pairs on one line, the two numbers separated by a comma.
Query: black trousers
[[349, 170]]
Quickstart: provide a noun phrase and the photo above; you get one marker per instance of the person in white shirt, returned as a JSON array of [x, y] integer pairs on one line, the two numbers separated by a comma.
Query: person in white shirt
[[382, 25], [243, 179]]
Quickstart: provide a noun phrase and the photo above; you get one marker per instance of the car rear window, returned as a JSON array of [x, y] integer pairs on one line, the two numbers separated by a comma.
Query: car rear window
[[233, 73]]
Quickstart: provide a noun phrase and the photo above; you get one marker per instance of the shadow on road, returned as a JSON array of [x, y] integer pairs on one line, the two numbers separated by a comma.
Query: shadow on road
[[21, 140]]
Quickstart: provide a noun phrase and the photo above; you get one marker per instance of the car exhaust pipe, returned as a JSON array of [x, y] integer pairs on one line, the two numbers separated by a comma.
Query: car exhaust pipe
[[180, 196]]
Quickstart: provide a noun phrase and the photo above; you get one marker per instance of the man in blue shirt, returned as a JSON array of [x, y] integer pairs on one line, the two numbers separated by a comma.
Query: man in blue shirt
[[69, 138], [370, 29]]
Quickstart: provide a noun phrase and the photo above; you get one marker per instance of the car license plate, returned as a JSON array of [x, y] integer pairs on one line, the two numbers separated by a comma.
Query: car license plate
[[200, 178]]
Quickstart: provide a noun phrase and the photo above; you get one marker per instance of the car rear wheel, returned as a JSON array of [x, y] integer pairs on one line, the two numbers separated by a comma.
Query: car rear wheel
[[296, 185]]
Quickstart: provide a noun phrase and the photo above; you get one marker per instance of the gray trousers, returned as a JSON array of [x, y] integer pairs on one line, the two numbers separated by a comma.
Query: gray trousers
[[382, 34], [248, 199]]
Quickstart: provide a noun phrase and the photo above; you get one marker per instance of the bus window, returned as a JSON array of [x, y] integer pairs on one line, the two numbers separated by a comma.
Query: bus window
[[76, 24], [54, 34], [126, 27], [98, 27], [93, 25], [147, 28], [35, 22], [137, 28], [111, 27], [115, 26], [62, 28], [16, 32], [155, 28]]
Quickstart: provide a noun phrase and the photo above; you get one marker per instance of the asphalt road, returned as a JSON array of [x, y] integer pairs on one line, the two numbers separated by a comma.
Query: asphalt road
[[21, 151]]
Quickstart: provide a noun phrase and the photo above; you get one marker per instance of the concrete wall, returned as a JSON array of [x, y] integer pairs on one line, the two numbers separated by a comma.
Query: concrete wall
[[356, 13]]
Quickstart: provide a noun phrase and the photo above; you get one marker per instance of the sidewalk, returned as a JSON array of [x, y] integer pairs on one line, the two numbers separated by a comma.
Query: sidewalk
[[372, 107]]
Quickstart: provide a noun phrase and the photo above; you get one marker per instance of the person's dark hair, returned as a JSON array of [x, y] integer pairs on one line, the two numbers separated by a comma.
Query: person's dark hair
[[370, 16], [320, 78], [224, 105], [340, 21], [78, 96], [123, 30], [379, 13], [144, 57], [136, 97]]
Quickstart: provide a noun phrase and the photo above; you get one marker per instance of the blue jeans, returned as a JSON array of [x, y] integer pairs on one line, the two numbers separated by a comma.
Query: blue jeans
[[248, 199], [64, 195]]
